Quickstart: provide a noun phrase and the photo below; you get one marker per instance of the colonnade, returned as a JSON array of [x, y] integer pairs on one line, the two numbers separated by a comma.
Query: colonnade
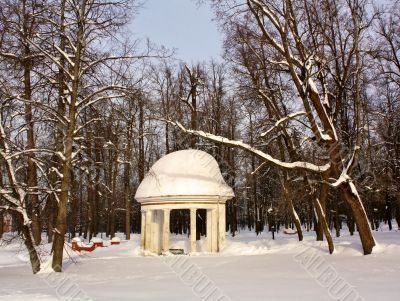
[[155, 228]]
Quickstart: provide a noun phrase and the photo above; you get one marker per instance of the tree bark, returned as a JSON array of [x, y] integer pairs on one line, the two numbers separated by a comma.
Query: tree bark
[[296, 220], [31, 170], [1, 223], [59, 134], [351, 196], [337, 218], [397, 201], [29, 244], [73, 203], [322, 200], [61, 220], [289, 199], [60, 228], [114, 195], [127, 176], [324, 224]]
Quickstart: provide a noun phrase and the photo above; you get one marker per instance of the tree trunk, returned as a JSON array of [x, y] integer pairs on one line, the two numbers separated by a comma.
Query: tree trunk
[[26, 231], [114, 195], [61, 220], [60, 229], [127, 176], [90, 203], [167, 149], [33, 255], [193, 113], [322, 200], [397, 200], [96, 200], [289, 199], [51, 218], [352, 198], [53, 206], [31, 170], [1, 223], [141, 165], [296, 220], [337, 218], [249, 223], [80, 225], [388, 210], [324, 224], [73, 209]]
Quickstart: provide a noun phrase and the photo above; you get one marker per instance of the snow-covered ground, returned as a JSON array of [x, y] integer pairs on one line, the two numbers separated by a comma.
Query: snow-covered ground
[[250, 268]]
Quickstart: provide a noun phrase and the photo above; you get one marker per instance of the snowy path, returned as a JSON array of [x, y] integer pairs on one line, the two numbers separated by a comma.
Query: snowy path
[[275, 270]]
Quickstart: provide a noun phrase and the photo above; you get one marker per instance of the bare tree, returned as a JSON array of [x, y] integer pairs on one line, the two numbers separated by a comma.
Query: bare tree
[[81, 22], [15, 196], [279, 26]]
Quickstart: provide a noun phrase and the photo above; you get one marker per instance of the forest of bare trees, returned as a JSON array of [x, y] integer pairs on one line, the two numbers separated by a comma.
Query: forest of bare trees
[[302, 113]]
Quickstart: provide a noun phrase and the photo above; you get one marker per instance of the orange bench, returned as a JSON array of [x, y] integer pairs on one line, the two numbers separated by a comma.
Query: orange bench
[[88, 248], [115, 241]]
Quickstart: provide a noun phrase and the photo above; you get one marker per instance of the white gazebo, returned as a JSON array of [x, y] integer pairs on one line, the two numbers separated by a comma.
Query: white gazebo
[[186, 179]]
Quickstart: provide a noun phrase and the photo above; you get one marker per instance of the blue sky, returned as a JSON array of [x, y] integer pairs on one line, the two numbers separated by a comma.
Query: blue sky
[[182, 25]]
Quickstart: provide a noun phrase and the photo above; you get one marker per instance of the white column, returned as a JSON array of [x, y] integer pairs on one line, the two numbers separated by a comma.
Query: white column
[[155, 229], [215, 217], [193, 230], [143, 230], [165, 231], [147, 236], [221, 226]]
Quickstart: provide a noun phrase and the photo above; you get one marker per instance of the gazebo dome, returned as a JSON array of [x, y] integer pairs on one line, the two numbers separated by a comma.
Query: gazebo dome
[[184, 173]]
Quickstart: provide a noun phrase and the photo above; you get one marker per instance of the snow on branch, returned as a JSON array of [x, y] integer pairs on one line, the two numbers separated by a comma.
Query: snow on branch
[[55, 60], [48, 109], [15, 204], [85, 125], [101, 90], [14, 207], [298, 165], [65, 55], [32, 150], [258, 168], [346, 172], [6, 194], [282, 121], [353, 161], [269, 13], [275, 22], [318, 104], [93, 101], [122, 57]]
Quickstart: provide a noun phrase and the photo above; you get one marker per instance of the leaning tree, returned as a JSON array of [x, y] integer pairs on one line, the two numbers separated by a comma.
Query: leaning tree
[[292, 33]]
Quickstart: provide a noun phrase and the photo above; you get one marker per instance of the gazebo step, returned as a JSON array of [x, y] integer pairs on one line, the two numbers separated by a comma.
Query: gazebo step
[[177, 251]]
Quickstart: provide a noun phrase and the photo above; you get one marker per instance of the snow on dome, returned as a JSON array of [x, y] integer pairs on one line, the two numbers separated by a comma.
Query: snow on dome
[[184, 173]]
